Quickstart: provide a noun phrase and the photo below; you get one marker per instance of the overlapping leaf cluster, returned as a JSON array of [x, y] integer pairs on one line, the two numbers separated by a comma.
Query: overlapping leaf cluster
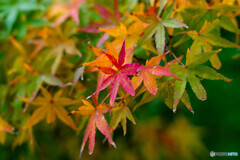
[[51, 63]]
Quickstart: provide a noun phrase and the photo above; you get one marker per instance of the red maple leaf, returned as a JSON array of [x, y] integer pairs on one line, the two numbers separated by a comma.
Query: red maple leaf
[[118, 74]]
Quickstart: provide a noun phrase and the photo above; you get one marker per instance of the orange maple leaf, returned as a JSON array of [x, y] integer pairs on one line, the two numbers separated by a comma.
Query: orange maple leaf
[[147, 75]]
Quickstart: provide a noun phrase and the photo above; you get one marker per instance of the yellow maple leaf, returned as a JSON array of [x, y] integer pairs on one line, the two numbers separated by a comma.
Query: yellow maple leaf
[[50, 107], [121, 114], [131, 35]]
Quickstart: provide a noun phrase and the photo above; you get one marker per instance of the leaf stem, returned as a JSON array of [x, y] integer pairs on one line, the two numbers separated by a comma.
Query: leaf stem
[[176, 58], [179, 33], [105, 98]]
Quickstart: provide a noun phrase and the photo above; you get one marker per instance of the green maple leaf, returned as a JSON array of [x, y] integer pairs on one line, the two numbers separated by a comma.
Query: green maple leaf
[[158, 23], [193, 72], [205, 40], [226, 23]]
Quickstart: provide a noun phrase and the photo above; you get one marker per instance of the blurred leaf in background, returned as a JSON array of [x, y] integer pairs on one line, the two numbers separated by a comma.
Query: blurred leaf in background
[[58, 45]]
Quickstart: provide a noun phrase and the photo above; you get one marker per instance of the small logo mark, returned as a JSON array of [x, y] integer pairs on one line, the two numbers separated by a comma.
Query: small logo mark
[[212, 154]]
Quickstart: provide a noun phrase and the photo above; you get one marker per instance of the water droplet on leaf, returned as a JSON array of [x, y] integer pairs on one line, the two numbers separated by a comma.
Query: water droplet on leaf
[[89, 97]]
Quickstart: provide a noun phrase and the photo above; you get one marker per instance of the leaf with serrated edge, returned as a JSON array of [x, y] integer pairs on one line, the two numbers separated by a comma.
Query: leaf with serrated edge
[[196, 86], [160, 39], [179, 88], [147, 34], [207, 73], [218, 41], [173, 23], [203, 57], [186, 101]]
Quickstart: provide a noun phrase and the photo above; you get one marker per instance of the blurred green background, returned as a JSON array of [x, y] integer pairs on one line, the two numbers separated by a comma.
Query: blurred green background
[[159, 133]]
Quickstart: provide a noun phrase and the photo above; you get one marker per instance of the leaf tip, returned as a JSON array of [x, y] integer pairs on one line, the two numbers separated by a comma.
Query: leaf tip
[[228, 80], [81, 150], [80, 155], [113, 144], [190, 109], [89, 97], [167, 52]]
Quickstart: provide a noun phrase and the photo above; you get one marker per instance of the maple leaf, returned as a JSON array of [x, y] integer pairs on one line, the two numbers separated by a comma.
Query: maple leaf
[[165, 90], [153, 68], [216, 6], [4, 127], [96, 120], [131, 34], [157, 24], [35, 80], [229, 24], [111, 19], [121, 114], [192, 72], [58, 41], [65, 10], [102, 60], [119, 75], [204, 40], [200, 11], [50, 107], [174, 91]]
